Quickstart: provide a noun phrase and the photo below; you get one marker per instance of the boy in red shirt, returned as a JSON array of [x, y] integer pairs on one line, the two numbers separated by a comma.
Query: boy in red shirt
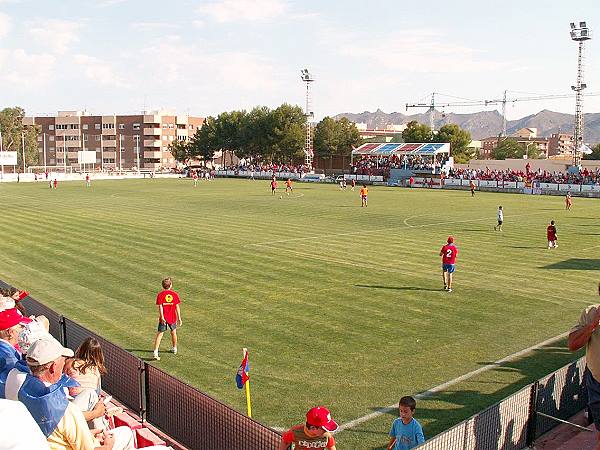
[[169, 315], [273, 185], [315, 433], [448, 254], [551, 234]]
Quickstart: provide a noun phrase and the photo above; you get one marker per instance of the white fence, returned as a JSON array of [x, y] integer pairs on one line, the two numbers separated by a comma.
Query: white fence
[[552, 187]]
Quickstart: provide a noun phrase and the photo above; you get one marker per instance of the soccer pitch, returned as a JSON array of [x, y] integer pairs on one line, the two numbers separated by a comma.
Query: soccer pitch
[[338, 305]]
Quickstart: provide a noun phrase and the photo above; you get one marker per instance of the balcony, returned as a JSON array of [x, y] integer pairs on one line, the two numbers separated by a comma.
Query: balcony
[[152, 131], [151, 165], [152, 154], [109, 155], [156, 143]]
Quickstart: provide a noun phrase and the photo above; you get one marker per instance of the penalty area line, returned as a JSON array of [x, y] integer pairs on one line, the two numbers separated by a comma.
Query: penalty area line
[[441, 387]]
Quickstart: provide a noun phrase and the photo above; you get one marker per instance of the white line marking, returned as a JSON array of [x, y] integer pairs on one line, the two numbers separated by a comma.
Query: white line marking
[[447, 384]]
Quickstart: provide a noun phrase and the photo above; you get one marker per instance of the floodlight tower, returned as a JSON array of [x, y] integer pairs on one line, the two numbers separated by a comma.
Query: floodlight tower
[[308, 146], [579, 34]]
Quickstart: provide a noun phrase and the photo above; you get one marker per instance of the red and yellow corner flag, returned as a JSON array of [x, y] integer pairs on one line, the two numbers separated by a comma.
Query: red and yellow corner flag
[[242, 379]]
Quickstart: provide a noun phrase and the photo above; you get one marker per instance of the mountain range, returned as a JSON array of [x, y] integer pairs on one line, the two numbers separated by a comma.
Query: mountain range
[[485, 124]]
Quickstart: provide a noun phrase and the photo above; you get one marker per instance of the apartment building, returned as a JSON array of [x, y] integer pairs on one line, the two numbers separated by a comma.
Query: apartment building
[[490, 143], [560, 144], [120, 141]]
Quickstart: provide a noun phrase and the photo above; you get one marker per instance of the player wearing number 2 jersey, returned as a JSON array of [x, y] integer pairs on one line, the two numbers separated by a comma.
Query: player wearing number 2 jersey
[[448, 254]]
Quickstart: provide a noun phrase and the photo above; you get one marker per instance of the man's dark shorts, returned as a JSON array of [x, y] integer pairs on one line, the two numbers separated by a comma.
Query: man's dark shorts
[[162, 326], [593, 391]]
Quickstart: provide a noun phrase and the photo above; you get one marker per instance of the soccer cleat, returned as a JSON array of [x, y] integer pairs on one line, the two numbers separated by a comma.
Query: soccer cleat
[[156, 357], [445, 287], [449, 290], [174, 350]]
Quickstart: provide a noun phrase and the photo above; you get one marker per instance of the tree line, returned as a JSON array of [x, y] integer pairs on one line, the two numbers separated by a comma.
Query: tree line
[[265, 134]]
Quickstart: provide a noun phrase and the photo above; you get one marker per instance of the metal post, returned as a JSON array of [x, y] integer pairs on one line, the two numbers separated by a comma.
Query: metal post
[[23, 147], [137, 148], [532, 419], [120, 154], [45, 167], [65, 153]]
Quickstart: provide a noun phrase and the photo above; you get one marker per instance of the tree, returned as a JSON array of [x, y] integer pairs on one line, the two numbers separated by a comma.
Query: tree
[[289, 125], [417, 132], [508, 149], [595, 153], [348, 137], [326, 138], [257, 134], [204, 143], [12, 128], [180, 150], [459, 140]]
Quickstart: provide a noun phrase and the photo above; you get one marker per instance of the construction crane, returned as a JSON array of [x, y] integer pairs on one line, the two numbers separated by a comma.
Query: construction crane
[[432, 105]]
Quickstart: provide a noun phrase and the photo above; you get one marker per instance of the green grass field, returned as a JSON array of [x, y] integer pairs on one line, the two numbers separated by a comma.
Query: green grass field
[[338, 305]]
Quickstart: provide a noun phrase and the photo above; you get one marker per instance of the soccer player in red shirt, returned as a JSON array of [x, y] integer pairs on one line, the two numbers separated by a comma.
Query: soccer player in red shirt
[[169, 315], [448, 254], [273, 185], [315, 433], [551, 234]]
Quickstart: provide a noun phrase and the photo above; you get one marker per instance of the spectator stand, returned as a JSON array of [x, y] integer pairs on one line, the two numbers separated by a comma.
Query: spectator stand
[[397, 162]]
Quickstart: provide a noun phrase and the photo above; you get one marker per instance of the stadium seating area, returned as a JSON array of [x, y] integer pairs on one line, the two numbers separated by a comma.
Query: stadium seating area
[[586, 176]]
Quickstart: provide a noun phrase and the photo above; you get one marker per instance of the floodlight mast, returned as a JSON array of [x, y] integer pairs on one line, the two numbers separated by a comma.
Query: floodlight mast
[[579, 34], [307, 78]]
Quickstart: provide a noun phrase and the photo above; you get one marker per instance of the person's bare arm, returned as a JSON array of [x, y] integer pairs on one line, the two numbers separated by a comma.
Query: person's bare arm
[[180, 322], [578, 338], [161, 314], [98, 411]]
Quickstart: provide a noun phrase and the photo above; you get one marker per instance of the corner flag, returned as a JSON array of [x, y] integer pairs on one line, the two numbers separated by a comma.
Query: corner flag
[[242, 379]]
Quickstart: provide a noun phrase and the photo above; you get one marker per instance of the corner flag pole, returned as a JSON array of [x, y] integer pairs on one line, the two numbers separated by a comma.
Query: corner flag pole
[[247, 386]]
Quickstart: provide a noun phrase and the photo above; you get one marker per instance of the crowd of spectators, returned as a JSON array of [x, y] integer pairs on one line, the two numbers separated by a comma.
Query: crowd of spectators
[[268, 167], [381, 165], [543, 176], [50, 396]]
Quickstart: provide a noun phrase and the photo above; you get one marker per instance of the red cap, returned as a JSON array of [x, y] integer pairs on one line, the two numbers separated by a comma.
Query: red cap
[[321, 417], [11, 317], [450, 239]]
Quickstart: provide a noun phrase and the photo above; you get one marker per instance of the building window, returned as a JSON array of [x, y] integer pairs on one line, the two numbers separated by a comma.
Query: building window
[[165, 138], [51, 138], [170, 125], [97, 138], [121, 126], [85, 126], [85, 137], [136, 126], [170, 138], [108, 126], [190, 126], [50, 127], [97, 126], [164, 125]]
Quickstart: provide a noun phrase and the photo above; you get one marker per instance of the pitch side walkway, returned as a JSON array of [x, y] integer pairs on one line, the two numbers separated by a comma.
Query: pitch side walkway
[[565, 437]]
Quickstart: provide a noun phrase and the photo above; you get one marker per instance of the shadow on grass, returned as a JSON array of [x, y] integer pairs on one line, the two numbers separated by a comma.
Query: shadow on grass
[[525, 246], [575, 264], [143, 353], [460, 404], [398, 288]]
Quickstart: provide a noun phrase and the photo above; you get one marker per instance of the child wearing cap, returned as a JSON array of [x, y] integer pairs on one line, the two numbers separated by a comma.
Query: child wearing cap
[[315, 433], [406, 432]]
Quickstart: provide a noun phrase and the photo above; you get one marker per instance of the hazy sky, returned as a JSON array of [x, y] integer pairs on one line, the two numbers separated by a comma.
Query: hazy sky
[[204, 57]]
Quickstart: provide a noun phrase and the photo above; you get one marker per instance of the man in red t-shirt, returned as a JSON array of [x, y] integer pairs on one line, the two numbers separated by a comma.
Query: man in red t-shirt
[[315, 433], [169, 315], [448, 254]]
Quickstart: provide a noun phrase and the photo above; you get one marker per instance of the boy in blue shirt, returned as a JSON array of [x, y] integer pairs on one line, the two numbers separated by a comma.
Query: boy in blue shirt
[[406, 432]]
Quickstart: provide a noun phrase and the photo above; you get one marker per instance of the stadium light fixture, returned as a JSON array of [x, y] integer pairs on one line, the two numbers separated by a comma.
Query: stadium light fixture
[[580, 35]]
